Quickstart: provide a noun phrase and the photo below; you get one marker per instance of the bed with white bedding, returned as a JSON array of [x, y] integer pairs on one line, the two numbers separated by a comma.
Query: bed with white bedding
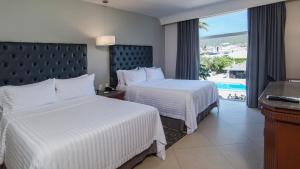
[[52, 119], [87, 132], [180, 102], [178, 99]]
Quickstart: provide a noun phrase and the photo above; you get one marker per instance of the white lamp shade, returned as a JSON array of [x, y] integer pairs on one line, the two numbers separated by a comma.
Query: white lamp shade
[[105, 40]]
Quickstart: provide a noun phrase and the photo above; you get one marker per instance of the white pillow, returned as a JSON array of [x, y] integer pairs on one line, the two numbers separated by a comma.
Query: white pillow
[[120, 76], [75, 87], [154, 74], [15, 98], [134, 76], [1, 99]]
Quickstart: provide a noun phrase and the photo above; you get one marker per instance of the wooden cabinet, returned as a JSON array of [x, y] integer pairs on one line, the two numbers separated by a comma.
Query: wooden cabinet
[[282, 130], [282, 138]]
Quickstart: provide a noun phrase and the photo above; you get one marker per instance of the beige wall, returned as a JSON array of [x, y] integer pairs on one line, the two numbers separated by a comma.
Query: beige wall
[[293, 40], [170, 49], [75, 21]]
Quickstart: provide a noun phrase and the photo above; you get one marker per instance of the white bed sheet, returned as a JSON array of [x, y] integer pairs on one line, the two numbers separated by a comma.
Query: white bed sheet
[[179, 99], [86, 133]]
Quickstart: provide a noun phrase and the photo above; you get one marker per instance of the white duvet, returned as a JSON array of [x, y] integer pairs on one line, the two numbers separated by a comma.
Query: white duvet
[[179, 99], [86, 133]]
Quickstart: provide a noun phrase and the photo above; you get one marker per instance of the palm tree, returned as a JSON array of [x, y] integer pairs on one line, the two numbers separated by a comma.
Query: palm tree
[[203, 25]]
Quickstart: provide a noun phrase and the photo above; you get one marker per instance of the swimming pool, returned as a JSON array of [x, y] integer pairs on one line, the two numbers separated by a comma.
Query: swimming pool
[[231, 86]]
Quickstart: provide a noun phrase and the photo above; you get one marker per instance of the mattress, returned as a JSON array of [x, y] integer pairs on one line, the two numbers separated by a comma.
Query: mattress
[[178, 99], [88, 132]]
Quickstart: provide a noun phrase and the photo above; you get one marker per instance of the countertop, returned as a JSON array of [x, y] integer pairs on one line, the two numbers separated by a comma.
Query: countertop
[[290, 89]]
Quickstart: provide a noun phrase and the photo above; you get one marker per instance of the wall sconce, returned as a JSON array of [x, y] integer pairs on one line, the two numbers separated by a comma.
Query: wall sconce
[[105, 40]]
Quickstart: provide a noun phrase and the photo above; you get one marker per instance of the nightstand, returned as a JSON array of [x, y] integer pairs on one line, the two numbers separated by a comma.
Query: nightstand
[[118, 94]]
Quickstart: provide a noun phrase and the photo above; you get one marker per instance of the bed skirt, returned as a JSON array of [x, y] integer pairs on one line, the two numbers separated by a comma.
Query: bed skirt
[[178, 124], [132, 162]]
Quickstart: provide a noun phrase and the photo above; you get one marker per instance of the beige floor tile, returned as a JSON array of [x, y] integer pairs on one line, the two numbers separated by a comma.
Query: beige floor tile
[[202, 158], [225, 135], [212, 121], [238, 113], [243, 156], [253, 131], [154, 162], [232, 139], [192, 141], [258, 141]]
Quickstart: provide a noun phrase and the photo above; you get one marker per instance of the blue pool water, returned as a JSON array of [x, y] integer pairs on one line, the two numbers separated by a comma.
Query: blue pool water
[[231, 86]]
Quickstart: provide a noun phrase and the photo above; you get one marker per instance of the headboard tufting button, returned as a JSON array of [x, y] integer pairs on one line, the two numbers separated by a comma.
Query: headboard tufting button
[[13, 56]]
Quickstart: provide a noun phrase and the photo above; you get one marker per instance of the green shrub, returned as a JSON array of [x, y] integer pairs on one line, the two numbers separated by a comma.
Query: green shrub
[[217, 64], [203, 72], [239, 60]]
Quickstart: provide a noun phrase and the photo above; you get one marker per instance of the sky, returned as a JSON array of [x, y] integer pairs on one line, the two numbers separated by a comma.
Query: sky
[[227, 23]]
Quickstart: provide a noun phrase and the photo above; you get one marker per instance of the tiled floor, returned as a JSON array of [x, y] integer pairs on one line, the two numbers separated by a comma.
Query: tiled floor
[[232, 140]]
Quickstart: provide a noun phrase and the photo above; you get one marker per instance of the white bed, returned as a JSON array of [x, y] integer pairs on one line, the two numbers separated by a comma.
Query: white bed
[[178, 99], [83, 133]]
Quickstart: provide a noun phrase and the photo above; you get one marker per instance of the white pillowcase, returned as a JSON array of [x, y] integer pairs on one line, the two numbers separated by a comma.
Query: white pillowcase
[[1, 99], [15, 98], [154, 74], [121, 80], [75, 87], [120, 75], [134, 76]]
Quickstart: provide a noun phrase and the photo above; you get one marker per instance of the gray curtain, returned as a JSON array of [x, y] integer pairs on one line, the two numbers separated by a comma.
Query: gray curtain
[[266, 50], [187, 65]]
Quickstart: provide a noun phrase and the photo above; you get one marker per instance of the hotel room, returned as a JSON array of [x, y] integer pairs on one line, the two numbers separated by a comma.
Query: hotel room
[[148, 84]]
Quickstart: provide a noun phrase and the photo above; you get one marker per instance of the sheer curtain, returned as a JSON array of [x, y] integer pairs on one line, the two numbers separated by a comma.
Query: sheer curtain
[[266, 50]]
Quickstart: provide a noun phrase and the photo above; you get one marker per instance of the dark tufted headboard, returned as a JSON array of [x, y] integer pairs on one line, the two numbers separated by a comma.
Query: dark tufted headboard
[[25, 63], [126, 57]]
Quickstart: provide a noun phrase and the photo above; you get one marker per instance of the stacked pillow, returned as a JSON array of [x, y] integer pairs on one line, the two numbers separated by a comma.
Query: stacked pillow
[[75, 87], [134, 76], [130, 77], [15, 98], [154, 74], [120, 76]]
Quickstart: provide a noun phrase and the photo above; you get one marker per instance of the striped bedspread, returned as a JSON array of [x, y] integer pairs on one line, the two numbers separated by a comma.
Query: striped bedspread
[[178, 99], [84, 133]]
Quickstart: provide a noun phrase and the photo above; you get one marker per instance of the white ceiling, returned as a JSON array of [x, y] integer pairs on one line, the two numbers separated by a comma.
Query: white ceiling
[[157, 8]]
